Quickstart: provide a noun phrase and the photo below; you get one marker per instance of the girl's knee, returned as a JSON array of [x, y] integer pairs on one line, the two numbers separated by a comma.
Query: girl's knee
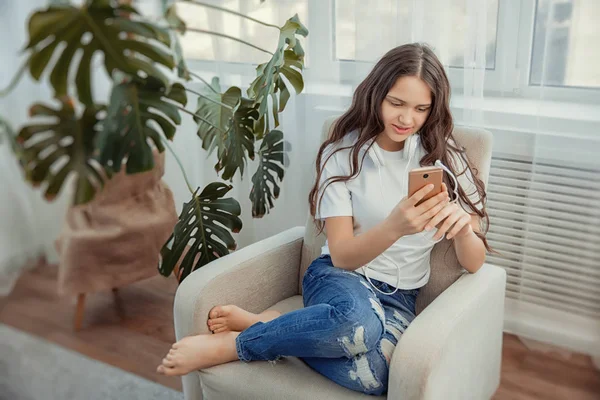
[[361, 326], [360, 336]]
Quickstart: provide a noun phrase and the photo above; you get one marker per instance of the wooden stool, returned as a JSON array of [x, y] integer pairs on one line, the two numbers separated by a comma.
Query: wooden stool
[[78, 318]]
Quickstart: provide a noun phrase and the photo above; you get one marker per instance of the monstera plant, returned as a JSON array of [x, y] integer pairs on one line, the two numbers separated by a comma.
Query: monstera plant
[[82, 136], [5, 130]]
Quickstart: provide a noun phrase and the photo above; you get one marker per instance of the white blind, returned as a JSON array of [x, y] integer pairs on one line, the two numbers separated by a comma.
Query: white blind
[[545, 223]]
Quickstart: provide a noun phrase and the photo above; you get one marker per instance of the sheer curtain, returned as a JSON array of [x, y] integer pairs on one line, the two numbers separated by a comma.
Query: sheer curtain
[[528, 71], [27, 224]]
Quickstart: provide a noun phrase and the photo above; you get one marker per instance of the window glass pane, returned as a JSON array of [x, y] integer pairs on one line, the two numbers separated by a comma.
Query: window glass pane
[[208, 47], [361, 26], [565, 44]]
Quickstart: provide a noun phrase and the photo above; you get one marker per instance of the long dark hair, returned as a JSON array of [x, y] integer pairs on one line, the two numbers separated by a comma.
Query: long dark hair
[[364, 116]]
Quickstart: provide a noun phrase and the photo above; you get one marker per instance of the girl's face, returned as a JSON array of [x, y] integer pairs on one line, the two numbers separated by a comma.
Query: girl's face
[[404, 111]]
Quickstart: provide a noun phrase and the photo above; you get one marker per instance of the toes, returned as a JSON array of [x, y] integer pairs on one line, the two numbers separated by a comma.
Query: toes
[[161, 369], [225, 310], [167, 371], [168, 363], [217, 321], [214, 313]]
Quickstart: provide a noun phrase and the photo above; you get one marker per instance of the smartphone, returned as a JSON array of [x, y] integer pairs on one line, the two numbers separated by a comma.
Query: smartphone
[[420, 177]]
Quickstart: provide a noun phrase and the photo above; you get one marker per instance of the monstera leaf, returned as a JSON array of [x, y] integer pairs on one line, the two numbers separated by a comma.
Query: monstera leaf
[[203, 231], [64, 145], [288, 60], [225, 122], [127, 44], [239, 140], [132, 120], [271, 155], [179, 25]]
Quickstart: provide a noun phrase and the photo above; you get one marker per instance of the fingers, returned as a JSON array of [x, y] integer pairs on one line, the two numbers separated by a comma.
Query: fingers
[[460, 225], [427, 205], [419, 194], [441, 215], [433, 211], [452, 220]]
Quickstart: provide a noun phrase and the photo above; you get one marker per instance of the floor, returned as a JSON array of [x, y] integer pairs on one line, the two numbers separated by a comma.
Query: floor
[[133, 331]]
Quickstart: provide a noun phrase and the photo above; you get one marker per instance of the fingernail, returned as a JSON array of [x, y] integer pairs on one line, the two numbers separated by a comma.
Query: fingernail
[[448, 236], [427, 228]]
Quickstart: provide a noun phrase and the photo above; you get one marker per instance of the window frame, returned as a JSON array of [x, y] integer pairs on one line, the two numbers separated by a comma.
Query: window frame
[[509, 77], [524, 62], [347, 71]]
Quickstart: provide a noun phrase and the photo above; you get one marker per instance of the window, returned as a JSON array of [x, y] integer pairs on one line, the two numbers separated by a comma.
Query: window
[[393, 22], [529, 48], [565, 44], [202, 46]]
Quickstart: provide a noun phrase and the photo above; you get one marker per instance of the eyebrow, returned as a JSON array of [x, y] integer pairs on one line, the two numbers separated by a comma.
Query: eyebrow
[[420, 105]]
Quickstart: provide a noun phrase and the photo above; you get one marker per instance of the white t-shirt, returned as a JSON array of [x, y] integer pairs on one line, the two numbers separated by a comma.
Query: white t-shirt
[[370, 197]]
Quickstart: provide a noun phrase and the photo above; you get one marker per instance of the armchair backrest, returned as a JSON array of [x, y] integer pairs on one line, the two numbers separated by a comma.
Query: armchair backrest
[[445, 268]]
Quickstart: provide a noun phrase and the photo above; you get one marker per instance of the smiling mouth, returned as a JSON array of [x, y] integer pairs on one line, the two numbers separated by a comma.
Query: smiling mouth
[[400, 129]]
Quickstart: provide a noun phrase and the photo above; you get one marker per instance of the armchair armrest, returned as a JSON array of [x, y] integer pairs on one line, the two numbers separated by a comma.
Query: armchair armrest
[[255, 277], [453, 349]]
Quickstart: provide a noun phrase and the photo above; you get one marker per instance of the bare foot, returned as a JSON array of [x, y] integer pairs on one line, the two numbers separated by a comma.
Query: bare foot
[[199, 352], [233, 318]]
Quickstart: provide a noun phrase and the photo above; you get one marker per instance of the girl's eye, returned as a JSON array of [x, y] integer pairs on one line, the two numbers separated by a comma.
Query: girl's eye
[[396, 104], [422, 109]]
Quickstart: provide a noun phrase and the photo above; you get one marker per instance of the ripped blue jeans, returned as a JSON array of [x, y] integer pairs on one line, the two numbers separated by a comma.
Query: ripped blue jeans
[[346, 332]]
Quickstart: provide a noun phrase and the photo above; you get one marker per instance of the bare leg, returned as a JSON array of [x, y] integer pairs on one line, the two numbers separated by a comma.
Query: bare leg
[[193, 353], [232, 318]]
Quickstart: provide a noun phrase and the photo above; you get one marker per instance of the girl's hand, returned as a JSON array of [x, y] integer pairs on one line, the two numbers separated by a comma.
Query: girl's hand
[[407, 218], [456, 221]]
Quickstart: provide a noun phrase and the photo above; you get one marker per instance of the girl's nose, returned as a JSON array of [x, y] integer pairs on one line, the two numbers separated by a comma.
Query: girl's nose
[[405, 118]]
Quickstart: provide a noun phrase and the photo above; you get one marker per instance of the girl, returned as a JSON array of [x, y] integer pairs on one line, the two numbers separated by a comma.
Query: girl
[[359, 295]]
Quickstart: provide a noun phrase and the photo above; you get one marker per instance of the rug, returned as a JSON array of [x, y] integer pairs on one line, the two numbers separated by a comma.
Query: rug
[[34, 369]]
